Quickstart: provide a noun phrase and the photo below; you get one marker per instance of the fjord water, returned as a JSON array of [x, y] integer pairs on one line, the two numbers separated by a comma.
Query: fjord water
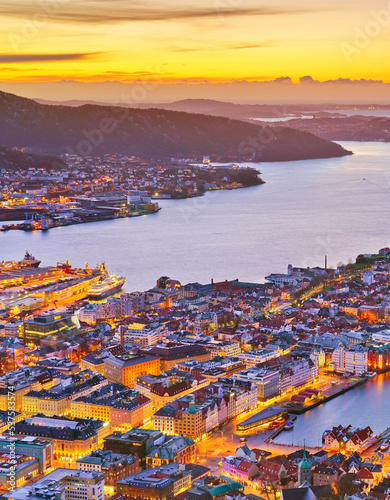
[[306, 209], [368, 404]]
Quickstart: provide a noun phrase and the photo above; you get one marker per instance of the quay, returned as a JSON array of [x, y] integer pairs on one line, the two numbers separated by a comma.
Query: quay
[[299, 410]]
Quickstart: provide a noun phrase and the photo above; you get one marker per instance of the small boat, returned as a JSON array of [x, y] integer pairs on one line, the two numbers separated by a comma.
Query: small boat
[[385, 445], [242, 439], [289, 425], [370, 374]]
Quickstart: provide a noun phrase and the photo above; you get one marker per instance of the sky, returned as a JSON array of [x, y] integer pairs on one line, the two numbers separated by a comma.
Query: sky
[[101, 49]]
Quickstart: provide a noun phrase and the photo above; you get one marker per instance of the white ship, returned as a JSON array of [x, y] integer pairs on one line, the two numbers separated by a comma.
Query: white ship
[[106, 287]]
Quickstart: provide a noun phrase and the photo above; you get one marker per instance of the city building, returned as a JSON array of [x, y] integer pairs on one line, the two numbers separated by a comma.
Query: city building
[[37, 328], [350, 360], [124, 368], [123, 407], [64, 484], [114, 466], [161, 483], [168, 386], [136, 441], [72, 439], [56, 401], [266, 381], [37, 448], [179, 449], [175, 352]]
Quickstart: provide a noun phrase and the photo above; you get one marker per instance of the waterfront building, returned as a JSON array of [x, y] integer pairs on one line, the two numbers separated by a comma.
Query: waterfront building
[[260, 419], [124, 368], [62, 483], [353, 360], [161, 483], [379, 357]]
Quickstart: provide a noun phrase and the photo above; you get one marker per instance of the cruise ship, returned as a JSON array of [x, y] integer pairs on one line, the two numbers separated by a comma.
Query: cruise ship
[[106, 287]]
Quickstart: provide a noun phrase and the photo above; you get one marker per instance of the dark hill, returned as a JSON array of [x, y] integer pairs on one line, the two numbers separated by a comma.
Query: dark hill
[[15, 160], [97, 130]]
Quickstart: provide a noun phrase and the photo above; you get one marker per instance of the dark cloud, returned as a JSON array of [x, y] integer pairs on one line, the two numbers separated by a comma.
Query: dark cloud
[[283, 79], [339, 81], [95, 12], [26, 58]]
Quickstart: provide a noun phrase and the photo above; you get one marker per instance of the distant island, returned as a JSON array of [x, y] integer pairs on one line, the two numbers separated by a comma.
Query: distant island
[[97, 130]]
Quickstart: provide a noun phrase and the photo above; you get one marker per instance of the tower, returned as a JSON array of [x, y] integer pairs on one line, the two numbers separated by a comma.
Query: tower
[[304, 470]]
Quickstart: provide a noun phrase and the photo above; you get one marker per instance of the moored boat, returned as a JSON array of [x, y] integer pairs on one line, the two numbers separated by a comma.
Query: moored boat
[[385, 445], [289, 425], [106, 287], [29, 261]]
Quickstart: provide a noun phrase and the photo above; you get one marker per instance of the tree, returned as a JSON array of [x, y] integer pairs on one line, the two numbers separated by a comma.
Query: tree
[[346, 486]]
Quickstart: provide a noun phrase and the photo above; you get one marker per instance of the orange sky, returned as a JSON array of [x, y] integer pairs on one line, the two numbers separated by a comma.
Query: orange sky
[[171, 41]]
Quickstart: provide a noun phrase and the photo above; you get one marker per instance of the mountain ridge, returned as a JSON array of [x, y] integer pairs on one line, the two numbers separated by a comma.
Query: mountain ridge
[[97, 130]]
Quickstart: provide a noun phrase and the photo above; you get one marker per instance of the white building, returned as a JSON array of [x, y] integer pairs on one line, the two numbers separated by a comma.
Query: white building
[[368, 278], [252, 358], [116, 307], [267, 381], [353, 360]]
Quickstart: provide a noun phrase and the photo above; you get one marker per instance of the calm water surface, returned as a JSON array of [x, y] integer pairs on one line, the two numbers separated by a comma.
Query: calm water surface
[[368, 404], [306, 209]]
